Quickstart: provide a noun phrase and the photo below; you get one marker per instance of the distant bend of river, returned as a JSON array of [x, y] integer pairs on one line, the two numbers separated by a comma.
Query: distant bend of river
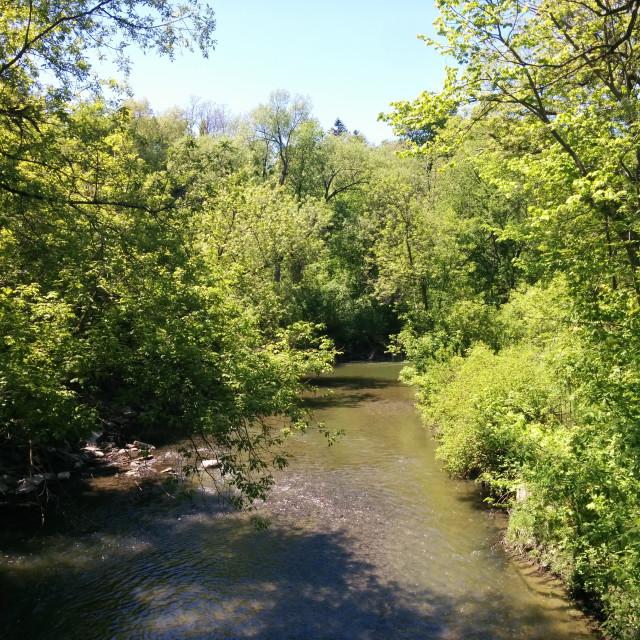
[[369, 540]]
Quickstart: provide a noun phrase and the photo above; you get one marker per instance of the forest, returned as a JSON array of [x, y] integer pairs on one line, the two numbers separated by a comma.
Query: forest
[[197, 267]]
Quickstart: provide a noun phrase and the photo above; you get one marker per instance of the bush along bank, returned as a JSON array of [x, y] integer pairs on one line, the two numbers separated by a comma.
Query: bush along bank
[[547, 421]]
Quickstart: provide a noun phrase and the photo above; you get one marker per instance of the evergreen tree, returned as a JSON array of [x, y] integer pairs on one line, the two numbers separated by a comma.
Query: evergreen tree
[[338, 128]]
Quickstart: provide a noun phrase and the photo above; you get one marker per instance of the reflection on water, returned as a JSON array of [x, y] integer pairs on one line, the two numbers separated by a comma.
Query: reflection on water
[[369, 540]]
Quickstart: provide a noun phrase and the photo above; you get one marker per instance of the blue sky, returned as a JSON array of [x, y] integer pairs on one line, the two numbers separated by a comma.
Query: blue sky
[[351, 57]]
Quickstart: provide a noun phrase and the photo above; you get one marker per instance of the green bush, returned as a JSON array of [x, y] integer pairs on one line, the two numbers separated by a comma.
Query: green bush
[[551, 418]]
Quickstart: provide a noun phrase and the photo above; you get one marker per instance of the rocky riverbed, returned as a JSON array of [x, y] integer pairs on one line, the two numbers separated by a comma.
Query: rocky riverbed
[[35, 480]]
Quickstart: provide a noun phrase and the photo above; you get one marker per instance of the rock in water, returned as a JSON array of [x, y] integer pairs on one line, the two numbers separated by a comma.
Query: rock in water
[[143, 445]]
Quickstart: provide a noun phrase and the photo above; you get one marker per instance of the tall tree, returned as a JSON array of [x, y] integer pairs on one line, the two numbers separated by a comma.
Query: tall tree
[[50, 45], [46, 59], [207, 118], [560, 81], [276, 126]]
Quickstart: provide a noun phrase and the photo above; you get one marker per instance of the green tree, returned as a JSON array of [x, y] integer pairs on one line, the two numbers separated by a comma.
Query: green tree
[[561, 86], [553, 86], [276, 126], [325, 166], [155, 134], [344, 165], [45, 44], [108, 292]]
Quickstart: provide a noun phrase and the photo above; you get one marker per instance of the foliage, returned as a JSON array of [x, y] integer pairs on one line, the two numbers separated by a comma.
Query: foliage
[[113, 301], [48, 47], [276, 126], [491, 410], [127, 278], [523, 421], [550, 90], [557, 82], [339, 128]]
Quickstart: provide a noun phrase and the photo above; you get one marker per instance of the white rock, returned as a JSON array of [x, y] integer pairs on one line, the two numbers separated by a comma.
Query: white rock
[[210, 464], [143, 445]]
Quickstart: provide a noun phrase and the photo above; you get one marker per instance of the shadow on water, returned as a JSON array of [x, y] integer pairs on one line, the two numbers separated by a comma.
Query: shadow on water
[[353, 382], [146, 565], [477, 497], [343, 400], [349, 391], [194, 577]]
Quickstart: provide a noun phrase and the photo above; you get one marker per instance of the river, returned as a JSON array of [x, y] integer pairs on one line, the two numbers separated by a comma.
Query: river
[[368, 540]]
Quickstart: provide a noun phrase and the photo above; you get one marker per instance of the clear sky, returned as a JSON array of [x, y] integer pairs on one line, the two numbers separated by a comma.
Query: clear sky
[[350, 57]]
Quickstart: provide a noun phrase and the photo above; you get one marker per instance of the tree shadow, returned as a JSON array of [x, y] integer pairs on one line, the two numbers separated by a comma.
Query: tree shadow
[[350, 391], [341, 400], [187, 573], [353, 382]]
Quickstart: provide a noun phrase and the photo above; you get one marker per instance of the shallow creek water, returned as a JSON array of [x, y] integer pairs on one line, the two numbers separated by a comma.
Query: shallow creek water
[[368, 540]]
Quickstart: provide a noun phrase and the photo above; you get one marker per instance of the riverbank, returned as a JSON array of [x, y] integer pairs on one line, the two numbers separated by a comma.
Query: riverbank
[[54, 486], [368, 538]]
